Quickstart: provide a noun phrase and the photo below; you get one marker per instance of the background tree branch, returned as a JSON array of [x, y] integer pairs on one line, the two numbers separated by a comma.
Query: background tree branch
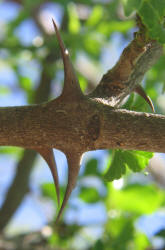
[[20, 185]]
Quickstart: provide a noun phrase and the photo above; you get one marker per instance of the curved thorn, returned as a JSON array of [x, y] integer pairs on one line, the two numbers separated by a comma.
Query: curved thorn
[[139, 90], [70, 79], [47, 154], [73, 171]]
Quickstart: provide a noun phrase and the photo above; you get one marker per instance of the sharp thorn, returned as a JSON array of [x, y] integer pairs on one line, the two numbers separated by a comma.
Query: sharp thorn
[[71, 83], [139, 90], [64, 51], [73, 171], [47, 154]]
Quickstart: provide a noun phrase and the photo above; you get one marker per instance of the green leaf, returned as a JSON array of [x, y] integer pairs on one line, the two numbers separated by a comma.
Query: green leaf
[[107, 28], [92, 43], [134, 160], [83, 82], [27, 86], [96, 16], [48, 191], [89, 195], [117, 167], [124, 236], [130, 6], [25, 83], [159, 6], [139, 199], [150, 15], [11, 150], [74, 24], [141, 241], [31, 4], [98, 245], [137, 160], [91, 167]]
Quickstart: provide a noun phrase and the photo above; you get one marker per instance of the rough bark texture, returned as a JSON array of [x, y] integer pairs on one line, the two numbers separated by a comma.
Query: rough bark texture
[[59, 125]]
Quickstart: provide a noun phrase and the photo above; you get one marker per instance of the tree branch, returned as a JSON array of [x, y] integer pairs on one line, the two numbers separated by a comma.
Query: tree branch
[[18, 189], [137, 58], [74, 123], [59, 125]]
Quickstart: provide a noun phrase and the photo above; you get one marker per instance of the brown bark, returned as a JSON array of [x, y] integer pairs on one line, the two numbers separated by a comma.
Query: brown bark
[[85, 125]]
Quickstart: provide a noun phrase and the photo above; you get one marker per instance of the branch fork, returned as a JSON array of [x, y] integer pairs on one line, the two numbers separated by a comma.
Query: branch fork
[[75, 123]]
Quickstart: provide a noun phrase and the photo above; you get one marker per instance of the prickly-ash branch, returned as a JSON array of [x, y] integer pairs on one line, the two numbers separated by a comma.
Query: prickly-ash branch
[[75, 123]]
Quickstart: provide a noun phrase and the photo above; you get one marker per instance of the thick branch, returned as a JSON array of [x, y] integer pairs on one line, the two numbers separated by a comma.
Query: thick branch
[[60, 125]]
